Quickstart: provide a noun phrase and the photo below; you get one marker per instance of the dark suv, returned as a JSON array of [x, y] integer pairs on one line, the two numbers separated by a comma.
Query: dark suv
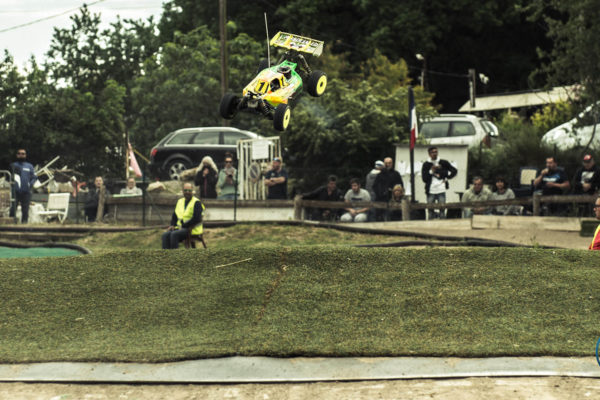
[[184, 149]]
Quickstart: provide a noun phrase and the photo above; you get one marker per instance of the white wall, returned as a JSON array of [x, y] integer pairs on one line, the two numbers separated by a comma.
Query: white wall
[[457, 155]]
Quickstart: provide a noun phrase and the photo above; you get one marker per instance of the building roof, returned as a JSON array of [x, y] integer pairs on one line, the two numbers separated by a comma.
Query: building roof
[[521, 99]]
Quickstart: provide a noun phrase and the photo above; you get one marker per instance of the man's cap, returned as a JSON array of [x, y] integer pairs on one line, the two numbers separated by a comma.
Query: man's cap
[[587, 157], [277, 159], [378, 163]]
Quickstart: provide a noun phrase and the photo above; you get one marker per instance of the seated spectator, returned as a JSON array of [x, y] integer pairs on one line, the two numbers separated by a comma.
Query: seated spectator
[[206, 179], [328, 192], [227, 179], [586, 182], [476, 193], [503, 192], [397, 197], [187, 218], [93, 198], [552, 180], [587, 177], [131, 189], [355, 194]]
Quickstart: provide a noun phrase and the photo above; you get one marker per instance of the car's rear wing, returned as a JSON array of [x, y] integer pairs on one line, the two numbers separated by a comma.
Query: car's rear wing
[[297, 43]]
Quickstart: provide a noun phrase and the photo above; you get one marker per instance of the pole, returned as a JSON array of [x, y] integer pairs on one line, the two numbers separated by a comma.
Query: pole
[[412, 174], [235, 193], [223, 36], [472, 94]]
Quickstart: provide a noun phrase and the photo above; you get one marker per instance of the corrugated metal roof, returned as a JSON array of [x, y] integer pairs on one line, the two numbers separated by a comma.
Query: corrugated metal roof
[[521, 99]]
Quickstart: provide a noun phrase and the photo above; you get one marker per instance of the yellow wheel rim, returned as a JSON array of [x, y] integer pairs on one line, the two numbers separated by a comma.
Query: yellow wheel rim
[[321, 85], [286, 118]]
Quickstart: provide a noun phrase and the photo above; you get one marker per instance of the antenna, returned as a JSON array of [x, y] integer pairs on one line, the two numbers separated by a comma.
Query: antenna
[[268, 46]]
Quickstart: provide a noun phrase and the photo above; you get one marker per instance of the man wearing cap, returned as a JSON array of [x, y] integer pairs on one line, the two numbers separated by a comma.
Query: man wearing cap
[[586, 180], [276, 181], [370, 179], [587, 177], [552, 180], [435, 174]]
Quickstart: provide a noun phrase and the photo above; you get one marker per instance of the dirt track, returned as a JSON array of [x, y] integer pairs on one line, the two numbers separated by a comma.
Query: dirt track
[[465, 389]]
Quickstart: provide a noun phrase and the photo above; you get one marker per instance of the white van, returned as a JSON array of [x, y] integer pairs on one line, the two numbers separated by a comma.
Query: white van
[[569, 136], [458, 129]]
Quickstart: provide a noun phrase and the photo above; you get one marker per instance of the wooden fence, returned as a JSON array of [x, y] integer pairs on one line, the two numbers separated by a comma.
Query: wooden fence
[[535, 202]]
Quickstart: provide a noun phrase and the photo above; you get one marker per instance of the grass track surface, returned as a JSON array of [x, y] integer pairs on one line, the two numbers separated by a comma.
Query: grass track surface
[[158, 305]]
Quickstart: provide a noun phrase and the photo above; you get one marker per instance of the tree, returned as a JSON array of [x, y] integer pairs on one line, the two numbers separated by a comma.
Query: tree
[[575, 56], [180, 85]]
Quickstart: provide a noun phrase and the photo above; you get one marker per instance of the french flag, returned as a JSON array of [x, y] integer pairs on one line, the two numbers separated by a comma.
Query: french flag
[[412, 118]]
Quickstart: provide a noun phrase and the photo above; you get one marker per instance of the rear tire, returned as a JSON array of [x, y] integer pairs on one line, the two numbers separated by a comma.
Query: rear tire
[[175, 168], [281, 118], [316, 83], [228, 107]]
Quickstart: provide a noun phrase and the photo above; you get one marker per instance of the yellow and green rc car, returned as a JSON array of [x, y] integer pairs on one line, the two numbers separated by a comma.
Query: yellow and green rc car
[[276, 87]]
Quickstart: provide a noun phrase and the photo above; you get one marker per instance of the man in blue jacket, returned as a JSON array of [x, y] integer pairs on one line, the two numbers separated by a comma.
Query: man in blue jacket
[[24, 177]]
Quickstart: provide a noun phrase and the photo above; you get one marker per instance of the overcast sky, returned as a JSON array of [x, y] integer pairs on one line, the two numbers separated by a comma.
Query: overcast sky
[[34, 39]]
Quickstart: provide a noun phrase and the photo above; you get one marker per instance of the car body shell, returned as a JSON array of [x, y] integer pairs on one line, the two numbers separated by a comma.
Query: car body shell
[[272, 85]]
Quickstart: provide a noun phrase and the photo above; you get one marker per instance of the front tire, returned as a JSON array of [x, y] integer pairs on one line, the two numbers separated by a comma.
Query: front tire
[[281, 118], [316, 83], [228, 107]]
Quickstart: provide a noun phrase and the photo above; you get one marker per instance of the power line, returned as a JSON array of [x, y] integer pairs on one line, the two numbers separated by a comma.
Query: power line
[[12, 28]]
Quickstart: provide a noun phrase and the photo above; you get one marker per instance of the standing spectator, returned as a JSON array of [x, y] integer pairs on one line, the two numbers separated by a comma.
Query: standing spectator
[[206, 179], [355, 194], [503, 192], [187, 218], [435, 173], [24, 178], [476, 193], [131, 189], [397, 197], [595, 245], [329, 192], [276, 181], [227, 180], [93, 199], [384, 183], [552, 180], [371, 176]]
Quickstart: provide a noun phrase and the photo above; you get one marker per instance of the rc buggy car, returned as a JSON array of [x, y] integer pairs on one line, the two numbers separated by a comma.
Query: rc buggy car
[[275, 88]]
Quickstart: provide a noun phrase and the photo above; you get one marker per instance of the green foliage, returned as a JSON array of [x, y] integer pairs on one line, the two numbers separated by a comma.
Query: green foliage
[[552, 115], [181, 88], [520, 147], [575, 56]]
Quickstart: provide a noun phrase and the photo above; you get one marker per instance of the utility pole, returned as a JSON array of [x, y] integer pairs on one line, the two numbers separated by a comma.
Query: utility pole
[[223, 36], [472, 87]]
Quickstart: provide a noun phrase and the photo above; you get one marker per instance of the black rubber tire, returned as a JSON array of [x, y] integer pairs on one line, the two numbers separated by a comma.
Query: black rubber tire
[[175, 168], [228, 107], [281, 117], [264, 63], [316, 83]]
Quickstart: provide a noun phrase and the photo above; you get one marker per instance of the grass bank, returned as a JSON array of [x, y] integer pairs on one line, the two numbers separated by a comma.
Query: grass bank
[[284, 301]]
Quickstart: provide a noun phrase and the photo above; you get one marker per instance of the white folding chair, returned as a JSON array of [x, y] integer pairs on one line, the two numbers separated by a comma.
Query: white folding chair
[[58, 206]]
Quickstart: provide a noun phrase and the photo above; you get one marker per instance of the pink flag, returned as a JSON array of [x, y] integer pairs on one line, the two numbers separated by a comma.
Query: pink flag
[[133, 164], [412, 118]]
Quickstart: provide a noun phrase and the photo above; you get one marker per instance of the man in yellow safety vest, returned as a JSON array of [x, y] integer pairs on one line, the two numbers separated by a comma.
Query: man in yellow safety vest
[[187, 216], [596, 242]]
